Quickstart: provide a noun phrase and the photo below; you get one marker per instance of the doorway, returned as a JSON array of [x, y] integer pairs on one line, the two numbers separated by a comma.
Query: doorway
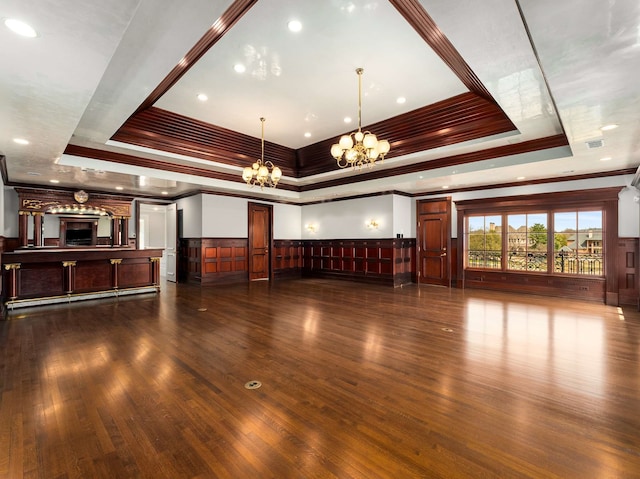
[[434, 241], [260, 239], [157, 229]]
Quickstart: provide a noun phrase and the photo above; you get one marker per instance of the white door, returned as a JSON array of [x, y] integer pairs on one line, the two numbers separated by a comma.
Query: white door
[[172, 242]]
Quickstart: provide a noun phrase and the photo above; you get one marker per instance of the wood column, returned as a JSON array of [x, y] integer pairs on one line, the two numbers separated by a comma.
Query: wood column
[[115, 263], [38, 218], [124, 237], [155, 271], [12, 287], [23, 228], [115, 230], [69, 276]]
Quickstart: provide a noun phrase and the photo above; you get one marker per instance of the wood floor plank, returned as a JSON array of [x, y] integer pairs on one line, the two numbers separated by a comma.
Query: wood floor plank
[[358, 381]]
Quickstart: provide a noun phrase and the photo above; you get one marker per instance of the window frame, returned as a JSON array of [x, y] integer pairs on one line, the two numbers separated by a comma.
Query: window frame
[[601, 199]]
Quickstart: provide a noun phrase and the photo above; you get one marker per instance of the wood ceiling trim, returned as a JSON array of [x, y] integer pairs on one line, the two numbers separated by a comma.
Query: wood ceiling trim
[[461, 118], [537, 181], [464, 117], [415, 14], [220, 27], [167, 131], [487, 154], [125, 159]]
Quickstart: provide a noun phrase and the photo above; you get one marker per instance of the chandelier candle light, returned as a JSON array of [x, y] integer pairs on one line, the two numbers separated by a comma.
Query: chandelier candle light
[[258, 173], [366, 149]]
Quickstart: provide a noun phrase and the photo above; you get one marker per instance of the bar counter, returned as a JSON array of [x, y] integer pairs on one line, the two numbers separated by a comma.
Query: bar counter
[[35, 276]]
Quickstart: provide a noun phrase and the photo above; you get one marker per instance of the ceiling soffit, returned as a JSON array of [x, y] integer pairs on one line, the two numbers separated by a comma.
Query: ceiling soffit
[[469, 116]]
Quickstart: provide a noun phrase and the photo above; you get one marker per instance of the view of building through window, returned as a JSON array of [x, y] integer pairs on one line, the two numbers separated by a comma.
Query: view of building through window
[[578, 242], [573, 239]]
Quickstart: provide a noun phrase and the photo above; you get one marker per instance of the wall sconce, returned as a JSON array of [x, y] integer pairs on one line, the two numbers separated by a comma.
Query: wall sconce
[[372, 224], [311, 228]]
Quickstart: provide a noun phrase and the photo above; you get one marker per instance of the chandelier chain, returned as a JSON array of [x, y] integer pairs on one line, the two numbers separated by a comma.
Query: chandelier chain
[[262, 172]]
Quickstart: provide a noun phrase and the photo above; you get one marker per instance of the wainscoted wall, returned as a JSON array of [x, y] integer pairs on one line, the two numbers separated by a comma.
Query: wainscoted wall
[[584, 287], [287, 258], [386, 261], [389, 261], [213, 260]]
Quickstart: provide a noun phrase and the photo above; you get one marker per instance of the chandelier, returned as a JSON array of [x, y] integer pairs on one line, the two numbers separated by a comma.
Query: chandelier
[[359, 148], [262, 172]]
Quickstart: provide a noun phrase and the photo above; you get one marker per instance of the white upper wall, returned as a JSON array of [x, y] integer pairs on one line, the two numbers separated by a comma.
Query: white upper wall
[[11, 206], [348, 218], [287, 221], [228, 217], [224, 217], [191, 216], [403, 216]]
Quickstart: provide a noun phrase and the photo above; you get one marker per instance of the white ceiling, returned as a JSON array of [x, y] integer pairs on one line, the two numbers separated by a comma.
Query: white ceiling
[[95, 62]]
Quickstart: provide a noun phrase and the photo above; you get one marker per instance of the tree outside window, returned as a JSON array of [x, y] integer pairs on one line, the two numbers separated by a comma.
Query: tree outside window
[[527, 239], [484, 242]]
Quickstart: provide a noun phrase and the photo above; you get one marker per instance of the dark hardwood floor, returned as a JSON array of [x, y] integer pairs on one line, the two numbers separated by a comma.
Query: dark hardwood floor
[[358, 381]]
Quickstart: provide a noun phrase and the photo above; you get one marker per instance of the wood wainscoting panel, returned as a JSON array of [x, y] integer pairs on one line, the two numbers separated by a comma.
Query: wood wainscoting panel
[[388, 261], [576, 287], [628, 271], [213, 260], [287, 258]]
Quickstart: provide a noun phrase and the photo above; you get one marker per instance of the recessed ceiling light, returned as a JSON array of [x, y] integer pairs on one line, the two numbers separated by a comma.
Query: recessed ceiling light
[[307, 135], [445, 187], [347, 119], [119, 188], [239, 68], [202, 97], [21, 28], [294, 25], [520, 177], [400, 100], [613, 126], [54, 181], [606, 158], [164, 193], [20, 141]]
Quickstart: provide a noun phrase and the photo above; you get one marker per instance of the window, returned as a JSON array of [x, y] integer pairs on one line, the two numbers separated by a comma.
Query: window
[[575, 242], [527, 242], [578, 242], [484, 242]]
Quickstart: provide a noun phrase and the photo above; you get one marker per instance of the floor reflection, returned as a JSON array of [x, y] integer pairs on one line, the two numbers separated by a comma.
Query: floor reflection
[[565, 348]]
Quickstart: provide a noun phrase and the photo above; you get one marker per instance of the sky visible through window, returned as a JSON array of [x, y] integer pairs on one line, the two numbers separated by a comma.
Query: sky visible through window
[[586, 220], [562, 221]]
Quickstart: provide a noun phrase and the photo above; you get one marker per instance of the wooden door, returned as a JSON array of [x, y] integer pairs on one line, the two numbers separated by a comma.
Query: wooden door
[[434, 241], [260, 236]]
